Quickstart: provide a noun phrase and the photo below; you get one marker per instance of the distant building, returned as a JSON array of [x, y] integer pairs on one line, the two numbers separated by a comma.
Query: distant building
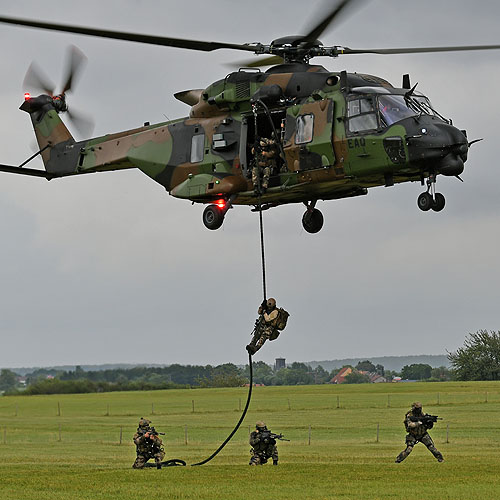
[[341, 375], [374, 378], [279, 364]]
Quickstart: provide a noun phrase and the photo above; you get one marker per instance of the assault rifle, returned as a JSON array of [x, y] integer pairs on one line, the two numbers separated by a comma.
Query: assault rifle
[[151, 430], [427, 420], [270, 436], [259, 324]]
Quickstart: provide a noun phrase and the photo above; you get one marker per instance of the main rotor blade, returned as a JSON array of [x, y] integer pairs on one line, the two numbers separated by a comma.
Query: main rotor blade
[[75, 62], [416, 50], [131, 37], [257, 63], [326, 21]]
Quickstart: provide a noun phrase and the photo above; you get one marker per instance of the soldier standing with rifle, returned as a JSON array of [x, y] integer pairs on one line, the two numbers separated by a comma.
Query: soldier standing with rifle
[[417, 424], [263, 443], [148, 445]]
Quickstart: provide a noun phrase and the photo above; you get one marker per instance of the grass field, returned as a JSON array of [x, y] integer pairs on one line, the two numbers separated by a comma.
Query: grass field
[[68, 446]]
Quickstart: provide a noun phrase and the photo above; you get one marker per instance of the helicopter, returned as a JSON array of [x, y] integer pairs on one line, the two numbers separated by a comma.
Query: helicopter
[[336, 134]]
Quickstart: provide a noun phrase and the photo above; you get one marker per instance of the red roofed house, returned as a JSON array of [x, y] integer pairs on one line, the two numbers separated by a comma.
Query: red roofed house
[[341, 375]]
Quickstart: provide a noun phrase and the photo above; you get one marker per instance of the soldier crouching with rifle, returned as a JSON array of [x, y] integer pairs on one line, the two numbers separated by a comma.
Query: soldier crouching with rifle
[[417, 424], [263, 443], [148, 445]]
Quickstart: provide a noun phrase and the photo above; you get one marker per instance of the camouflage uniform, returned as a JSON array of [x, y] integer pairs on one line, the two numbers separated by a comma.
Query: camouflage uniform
[[262, 450], [147, 446], [268, 330], [417, 432], [265, 158]]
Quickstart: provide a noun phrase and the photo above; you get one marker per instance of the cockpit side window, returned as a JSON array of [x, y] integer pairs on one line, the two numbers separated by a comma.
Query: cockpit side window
[[361, 115]]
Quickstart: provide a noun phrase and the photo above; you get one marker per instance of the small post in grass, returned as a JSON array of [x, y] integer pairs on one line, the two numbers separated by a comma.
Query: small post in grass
[[249, 432], [309, 434], [338, 401], [60, 437], [152, 408], [186, 434], [438, 399], [378, 430], [486, 397], [107, 410], [121, 434], [17, 407], [58, 409], [289, 405], [388, 400], [240, 404], [192, 401], [5, 435], [447, 433]]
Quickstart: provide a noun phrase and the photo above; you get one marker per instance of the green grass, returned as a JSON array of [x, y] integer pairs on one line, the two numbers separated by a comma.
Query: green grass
[[77, 454]]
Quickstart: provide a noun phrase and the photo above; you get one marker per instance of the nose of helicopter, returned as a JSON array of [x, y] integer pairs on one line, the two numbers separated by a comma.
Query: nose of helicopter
[[439, 146]]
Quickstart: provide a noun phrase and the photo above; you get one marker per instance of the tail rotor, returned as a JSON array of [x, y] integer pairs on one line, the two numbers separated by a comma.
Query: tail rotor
[[37, 82]]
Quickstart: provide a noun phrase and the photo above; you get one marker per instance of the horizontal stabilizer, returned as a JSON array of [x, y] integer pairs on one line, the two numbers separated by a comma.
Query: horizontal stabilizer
[[31, 171]]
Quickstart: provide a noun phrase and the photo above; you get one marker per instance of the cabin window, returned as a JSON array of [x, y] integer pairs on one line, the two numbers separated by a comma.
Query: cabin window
[[361, 115], [304, 129], [197, 148]]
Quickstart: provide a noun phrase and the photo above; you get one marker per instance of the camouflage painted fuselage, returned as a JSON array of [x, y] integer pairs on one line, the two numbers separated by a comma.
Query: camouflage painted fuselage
[[336, 138]]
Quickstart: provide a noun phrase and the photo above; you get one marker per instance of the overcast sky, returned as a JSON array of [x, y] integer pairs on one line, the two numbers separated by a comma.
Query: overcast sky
[[110, 268]]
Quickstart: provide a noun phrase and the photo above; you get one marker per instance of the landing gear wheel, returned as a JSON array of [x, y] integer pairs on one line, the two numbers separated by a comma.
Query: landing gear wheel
[[213, 217], [312, 221], [425, 202], [439, 202]]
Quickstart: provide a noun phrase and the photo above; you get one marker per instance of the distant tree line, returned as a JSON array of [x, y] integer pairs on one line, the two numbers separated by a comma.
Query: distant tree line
[[478, 359]]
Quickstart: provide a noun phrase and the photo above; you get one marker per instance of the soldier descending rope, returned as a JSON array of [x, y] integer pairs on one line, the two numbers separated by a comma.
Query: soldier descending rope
[[268, 326]]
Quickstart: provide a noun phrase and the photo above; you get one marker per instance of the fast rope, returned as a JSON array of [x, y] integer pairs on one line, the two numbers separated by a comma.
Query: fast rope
[[239, 421], [264, 291], [250, 364], [262, 252]]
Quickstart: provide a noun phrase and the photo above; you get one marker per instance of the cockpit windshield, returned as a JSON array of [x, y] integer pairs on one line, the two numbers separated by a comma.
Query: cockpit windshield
[[394, 108]]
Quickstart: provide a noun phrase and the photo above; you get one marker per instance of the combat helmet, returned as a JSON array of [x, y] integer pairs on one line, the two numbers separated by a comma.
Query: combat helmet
[[417, 405], [271, 303], [260, 425], [144, 423]]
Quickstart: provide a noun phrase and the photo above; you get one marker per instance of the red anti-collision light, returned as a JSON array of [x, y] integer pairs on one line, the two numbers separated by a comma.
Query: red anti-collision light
[[27, 96], [220, 203]]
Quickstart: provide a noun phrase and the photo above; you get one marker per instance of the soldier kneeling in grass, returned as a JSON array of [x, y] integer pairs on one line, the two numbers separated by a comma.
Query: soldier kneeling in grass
[[148, 445], [263, 443]]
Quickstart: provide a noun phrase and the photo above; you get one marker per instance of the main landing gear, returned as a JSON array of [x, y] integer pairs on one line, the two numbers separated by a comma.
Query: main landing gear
[[430, 200], [312, 220], [213, 215]]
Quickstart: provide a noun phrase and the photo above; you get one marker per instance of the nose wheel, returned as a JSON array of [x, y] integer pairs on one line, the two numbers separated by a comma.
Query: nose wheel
[[312, 220], [430, 200]]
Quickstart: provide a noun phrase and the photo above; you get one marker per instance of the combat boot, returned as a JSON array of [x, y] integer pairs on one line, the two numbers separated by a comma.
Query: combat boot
[[275, 462], [250, 349]]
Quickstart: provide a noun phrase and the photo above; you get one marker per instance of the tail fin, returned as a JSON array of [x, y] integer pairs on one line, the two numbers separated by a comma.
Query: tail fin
[[54, 139]]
